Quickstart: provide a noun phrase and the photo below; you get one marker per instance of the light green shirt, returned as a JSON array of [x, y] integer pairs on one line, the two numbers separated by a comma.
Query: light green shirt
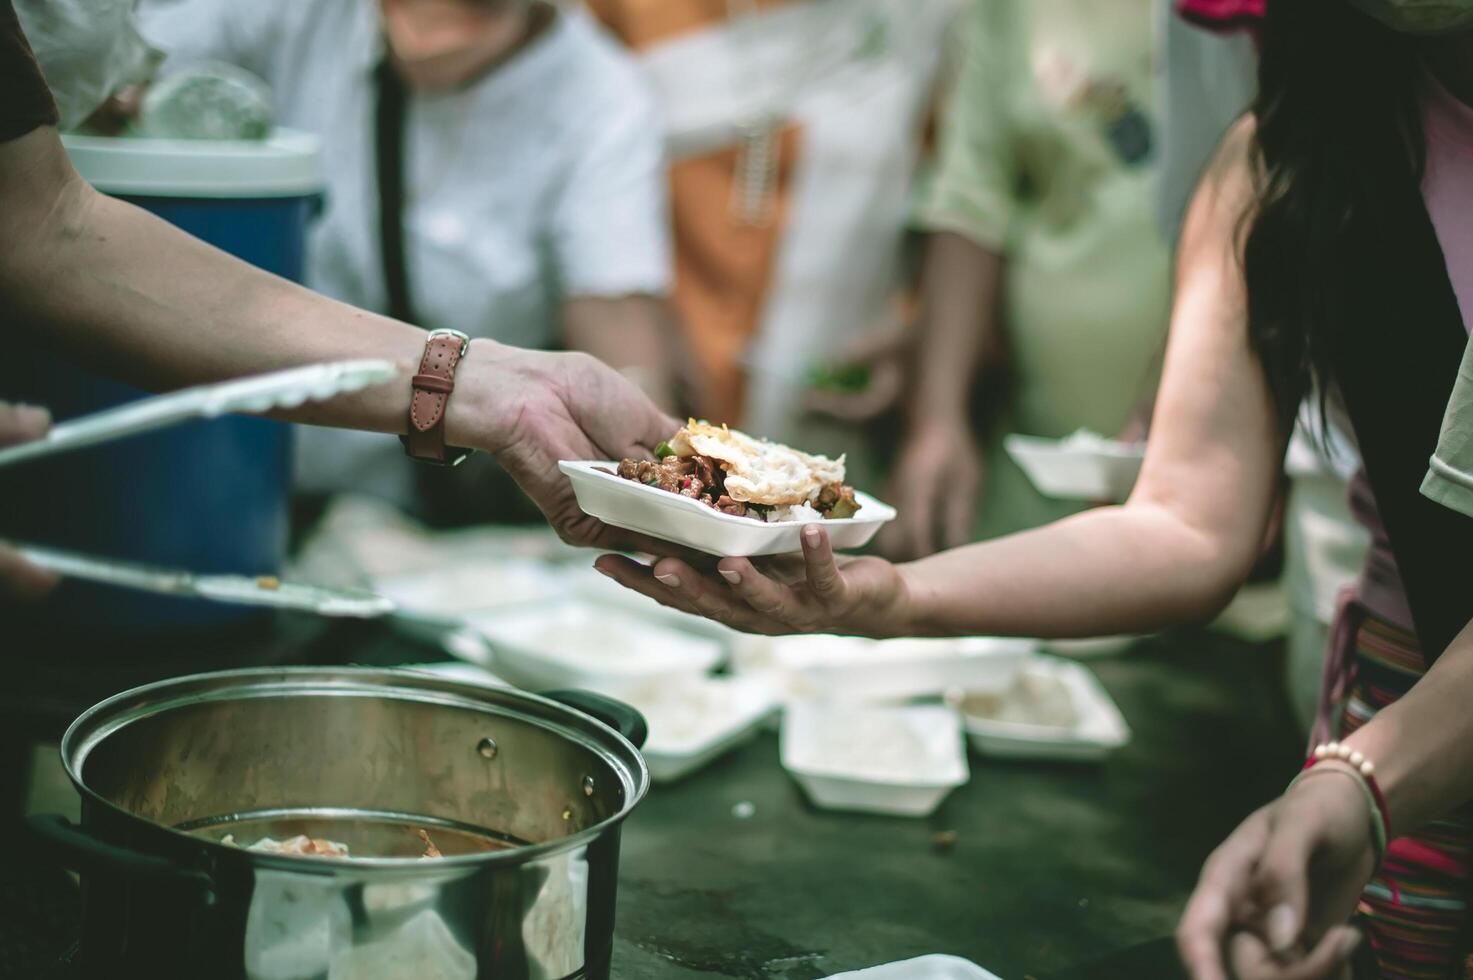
[[1048, 155], [1449, 479]]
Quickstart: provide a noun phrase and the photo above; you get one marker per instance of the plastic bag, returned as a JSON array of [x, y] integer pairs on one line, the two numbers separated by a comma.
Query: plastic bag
[[88, 49], [209, 100]]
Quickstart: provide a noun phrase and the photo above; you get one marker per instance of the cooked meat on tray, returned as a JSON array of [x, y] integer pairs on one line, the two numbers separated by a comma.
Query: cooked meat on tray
[[736, 474]]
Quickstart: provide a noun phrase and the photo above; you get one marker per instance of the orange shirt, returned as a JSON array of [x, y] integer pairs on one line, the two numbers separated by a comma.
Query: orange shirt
[[766, 104]]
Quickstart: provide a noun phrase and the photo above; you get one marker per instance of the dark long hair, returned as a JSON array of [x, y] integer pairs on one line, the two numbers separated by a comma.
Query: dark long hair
[[1337, 126]]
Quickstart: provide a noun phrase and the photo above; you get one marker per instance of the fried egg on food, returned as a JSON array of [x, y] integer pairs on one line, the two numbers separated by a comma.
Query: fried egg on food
[[757, 471]]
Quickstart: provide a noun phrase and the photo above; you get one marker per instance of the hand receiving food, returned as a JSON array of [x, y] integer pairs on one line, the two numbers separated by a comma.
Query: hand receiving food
[[814, 594], [935, 488], [20, 579], [1277, 894]]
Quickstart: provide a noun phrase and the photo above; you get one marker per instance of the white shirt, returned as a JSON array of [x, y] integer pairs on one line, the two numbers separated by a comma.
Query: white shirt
[[540, 181]]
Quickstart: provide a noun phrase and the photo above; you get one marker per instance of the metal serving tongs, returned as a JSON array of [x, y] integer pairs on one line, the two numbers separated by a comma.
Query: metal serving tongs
[[262, 590], [261, 393]]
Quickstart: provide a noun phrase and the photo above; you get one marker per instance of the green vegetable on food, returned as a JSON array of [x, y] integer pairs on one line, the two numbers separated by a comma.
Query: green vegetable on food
[[664, 449], [843, 507]]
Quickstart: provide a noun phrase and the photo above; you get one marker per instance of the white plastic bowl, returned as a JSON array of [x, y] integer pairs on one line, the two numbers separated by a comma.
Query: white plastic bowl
[[574, 643], [1099, 730], [1099, 470], [681, 520], [901, 761]]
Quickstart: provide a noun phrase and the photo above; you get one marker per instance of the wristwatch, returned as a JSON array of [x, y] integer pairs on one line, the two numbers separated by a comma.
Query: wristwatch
[[432, 386]]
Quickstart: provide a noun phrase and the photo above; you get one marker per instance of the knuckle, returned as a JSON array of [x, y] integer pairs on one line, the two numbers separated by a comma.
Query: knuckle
[[713, 609], [768, 605]]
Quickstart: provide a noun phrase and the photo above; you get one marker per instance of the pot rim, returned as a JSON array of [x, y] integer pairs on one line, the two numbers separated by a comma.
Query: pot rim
[[107, 717]]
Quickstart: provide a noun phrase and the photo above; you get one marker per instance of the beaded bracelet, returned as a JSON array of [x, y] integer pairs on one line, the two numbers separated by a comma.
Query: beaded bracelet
[[1354, 764]]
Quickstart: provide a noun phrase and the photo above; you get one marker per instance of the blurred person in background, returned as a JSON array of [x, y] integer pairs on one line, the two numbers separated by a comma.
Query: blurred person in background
[[89, 278], [120, 291], [1045, 285], [1326, 254], [492, 166], [794, 130]]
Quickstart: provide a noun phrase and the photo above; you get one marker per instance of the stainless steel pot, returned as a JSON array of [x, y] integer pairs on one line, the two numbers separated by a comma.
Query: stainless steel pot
[[523, 794]]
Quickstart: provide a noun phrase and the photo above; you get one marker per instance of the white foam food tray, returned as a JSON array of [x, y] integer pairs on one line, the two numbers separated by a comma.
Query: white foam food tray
[[1098, 729], [852, 668], [1073, 469], [901, 761], [694, 721], [430, 601], [933, 967], [649, 510], [574, 643]]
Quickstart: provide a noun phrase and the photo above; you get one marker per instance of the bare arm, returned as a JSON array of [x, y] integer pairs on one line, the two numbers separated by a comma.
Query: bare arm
[[1182, 544], [137, 299], [635, 335], [958, 327], [1175, 551], [939, 470], [1422, 744]]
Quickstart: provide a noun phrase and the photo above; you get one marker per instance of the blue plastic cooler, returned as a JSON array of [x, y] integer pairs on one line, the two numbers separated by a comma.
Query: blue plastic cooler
[[209, 496]]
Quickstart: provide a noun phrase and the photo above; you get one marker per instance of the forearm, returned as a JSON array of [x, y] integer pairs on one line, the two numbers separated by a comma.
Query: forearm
[[168, 310], [1422, 745], [632, 334], [1127, 569], [958, 326]]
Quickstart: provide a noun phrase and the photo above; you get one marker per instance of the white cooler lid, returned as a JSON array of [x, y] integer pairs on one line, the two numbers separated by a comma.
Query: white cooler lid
[[287, 164]]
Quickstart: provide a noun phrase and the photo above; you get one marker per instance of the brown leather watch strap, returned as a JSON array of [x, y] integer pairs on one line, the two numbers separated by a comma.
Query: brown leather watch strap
[[433, 385]]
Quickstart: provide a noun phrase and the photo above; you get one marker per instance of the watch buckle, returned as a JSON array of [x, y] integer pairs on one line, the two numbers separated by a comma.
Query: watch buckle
[[465, 340]]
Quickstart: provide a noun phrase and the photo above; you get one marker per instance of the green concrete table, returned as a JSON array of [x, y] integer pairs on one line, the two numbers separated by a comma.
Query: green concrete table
[[1057, 871]]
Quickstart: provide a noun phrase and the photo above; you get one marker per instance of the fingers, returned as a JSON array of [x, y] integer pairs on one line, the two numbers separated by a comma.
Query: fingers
[[22, 423], [709, 599], [673, 583], [654, 428], [956, 516], [768, 598], [610, 410], [1253, 960], [19, 579], [823, 572], [1225, 882], [1282, 882], [640, 578]]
